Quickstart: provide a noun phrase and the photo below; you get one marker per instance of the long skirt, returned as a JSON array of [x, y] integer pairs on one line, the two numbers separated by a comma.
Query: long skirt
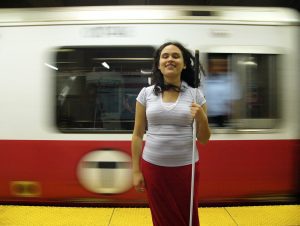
[[168, 192]]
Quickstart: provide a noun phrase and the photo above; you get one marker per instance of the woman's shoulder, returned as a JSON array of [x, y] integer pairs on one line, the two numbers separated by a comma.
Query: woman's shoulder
[[148, 89], [151, 87]]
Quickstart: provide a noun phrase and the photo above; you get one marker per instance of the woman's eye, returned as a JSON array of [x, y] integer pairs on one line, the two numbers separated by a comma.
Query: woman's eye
[[175, 56]]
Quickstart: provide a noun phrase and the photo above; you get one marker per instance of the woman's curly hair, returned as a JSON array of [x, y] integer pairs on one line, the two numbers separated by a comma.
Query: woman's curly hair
[[187, 74]]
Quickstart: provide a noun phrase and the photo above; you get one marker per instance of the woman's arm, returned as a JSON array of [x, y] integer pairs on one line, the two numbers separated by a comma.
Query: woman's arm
[[137, 145]]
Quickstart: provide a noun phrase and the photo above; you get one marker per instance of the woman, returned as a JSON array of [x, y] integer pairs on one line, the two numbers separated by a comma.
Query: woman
[[169, 107]]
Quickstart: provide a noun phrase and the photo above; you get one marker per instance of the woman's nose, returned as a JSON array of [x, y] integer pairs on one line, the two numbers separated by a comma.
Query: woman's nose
[[170, 58]]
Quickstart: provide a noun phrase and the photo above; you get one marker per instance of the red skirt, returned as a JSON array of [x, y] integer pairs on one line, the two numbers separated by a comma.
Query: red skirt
[[168, 191]]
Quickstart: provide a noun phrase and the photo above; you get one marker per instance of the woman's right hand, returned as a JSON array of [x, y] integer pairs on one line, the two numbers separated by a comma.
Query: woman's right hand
[[138, 181]]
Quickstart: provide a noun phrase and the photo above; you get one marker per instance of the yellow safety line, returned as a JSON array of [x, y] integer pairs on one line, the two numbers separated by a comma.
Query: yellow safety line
[[283, 215]]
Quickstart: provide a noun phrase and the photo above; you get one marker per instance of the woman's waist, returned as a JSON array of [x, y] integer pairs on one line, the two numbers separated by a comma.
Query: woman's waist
[[169, 130]]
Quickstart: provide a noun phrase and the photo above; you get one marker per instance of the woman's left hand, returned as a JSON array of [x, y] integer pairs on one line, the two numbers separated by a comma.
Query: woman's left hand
[[197, 112]]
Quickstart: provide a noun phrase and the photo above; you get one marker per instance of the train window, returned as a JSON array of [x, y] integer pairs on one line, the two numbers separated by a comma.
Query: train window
[[241, 91], [96, 87]]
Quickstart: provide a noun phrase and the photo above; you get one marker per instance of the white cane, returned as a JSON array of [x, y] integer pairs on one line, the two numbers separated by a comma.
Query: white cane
[[196, 65]]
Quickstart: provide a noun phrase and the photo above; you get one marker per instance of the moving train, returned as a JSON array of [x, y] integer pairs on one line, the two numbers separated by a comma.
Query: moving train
[[70, 76]]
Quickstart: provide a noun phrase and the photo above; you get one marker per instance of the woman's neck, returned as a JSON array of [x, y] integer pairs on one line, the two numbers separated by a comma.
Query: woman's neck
[[173, 82]]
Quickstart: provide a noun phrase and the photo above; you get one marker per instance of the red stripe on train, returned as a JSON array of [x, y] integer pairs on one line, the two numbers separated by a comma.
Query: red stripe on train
[[230, 169]]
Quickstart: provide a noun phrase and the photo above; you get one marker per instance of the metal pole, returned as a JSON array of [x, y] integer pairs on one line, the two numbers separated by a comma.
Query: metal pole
[[196, 67]]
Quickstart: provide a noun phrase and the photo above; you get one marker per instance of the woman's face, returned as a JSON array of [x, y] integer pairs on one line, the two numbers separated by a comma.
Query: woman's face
[[171, 62]]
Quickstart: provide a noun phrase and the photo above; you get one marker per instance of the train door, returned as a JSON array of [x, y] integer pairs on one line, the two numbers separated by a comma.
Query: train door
[[246, 151]]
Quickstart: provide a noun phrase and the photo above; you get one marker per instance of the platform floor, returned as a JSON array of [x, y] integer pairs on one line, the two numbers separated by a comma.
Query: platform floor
[[282, 215]]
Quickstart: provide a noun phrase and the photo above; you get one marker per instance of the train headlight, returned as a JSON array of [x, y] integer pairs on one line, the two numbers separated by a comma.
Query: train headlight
[[105, 172]]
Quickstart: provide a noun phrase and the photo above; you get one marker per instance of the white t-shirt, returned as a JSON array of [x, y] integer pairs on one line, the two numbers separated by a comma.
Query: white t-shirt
[[169, 140]]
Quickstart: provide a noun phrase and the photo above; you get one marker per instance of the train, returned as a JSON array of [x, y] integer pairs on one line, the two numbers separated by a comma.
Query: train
[[69, 81]]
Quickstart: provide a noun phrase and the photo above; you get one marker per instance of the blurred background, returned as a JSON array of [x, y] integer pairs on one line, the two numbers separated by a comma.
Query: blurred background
[[70, 76]]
